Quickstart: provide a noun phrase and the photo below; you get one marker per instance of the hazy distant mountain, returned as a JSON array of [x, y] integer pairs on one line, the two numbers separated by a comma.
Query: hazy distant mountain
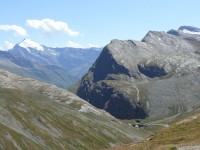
[[186, 32], [60, 66], [156, 77], [189, 29]]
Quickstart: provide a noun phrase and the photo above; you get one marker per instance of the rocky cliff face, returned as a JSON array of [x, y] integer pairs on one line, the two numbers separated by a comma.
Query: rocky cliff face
[[155, 77]]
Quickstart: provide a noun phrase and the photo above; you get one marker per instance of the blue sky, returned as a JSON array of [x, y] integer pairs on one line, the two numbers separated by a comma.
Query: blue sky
[[86, 23]]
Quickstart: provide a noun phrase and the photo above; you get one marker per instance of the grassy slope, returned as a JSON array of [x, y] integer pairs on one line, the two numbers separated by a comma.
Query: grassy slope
[[48, 74], [73, 88], [184, 131], [30, 119]]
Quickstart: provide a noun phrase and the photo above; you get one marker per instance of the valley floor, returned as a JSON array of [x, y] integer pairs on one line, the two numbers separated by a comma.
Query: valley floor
[[183, 134]]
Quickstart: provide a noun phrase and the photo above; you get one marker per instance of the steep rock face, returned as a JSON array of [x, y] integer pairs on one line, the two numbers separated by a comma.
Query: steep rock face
[[122, 79]]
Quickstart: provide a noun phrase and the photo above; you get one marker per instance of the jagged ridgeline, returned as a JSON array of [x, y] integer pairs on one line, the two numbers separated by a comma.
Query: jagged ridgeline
[[155, 77]]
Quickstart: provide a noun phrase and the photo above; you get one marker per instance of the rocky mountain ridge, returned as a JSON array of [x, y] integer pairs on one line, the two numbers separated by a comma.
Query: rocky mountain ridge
[[155, 77]]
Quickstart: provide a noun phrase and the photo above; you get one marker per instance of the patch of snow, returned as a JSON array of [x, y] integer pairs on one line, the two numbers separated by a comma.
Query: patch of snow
[[27, 43], [190, 32], [88, 108], [53, 53]]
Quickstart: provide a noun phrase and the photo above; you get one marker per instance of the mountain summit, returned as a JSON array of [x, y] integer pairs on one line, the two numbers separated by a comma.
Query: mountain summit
[[187, 32], [156, 77], [60, 66], [189, 29], [28, 43]]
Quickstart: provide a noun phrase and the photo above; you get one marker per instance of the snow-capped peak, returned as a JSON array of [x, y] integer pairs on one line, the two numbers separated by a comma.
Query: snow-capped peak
[[27, 43], [189, 30]]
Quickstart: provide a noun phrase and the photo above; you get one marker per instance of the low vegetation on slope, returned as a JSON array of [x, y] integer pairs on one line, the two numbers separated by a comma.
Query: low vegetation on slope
[[40, 116], [185, 132]]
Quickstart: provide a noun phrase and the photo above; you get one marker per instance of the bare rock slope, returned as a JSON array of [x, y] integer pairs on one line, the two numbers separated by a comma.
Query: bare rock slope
[[155, 77]]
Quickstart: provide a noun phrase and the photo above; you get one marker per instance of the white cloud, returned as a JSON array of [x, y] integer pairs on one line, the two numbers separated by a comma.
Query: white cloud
[[49, 25], [77, 45], [19, 31], [74, 45], [93, 45], [6, 46]]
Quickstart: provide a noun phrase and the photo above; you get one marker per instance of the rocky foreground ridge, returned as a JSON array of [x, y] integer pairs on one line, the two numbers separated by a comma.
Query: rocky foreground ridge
[[155, 77], [36, 115]]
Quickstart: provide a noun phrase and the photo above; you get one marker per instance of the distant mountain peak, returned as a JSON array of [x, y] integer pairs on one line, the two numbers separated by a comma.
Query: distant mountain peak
[[189, 30], [28, 43]]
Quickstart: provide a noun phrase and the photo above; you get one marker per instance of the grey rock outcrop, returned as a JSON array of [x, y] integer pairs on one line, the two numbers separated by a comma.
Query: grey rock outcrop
[[151, 78]]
